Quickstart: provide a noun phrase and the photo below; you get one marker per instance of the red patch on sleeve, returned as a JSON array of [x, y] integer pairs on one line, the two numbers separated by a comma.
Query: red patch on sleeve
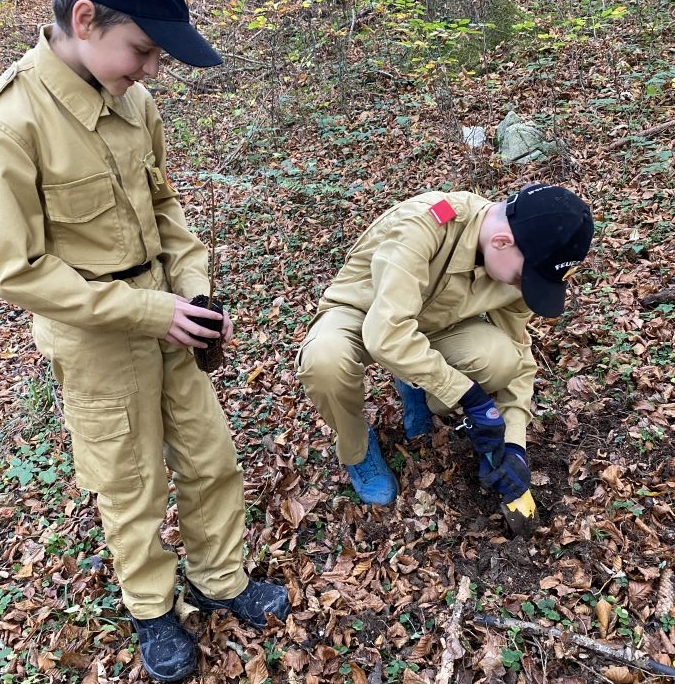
[[443, 212]]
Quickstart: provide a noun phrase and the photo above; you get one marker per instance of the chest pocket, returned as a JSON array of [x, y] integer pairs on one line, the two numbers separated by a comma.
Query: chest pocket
[[84, 226]]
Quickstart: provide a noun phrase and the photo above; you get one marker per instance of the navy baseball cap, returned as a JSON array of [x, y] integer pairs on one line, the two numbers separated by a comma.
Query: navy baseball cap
[[553, 228], [167, 22]]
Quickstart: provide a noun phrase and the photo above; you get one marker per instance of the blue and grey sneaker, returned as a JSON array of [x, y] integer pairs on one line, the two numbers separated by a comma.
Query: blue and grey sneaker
[[372, 479], [416, 414]]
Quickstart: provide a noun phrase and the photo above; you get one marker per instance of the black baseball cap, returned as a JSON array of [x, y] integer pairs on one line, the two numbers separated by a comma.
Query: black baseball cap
[[553, 228], [167, 22]]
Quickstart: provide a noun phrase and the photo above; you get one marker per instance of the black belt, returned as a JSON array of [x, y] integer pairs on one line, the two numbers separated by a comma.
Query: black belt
[[131, 272]]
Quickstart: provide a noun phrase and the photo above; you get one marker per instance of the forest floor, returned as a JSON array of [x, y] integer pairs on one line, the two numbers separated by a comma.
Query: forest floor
[[321, 117]]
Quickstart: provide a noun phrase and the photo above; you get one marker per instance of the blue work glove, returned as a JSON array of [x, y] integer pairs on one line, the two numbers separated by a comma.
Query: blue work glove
[[483, 424], [509, 476]]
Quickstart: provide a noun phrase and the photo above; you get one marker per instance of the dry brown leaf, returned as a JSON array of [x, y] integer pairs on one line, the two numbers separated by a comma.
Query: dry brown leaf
[[581, 575], [96, 674], [296, 659], [619, 675], [539, 478], [663, 659], [578, 462], [490, 658], [254, 374], [639, 593], [410, 677], [550, 582], [649, 573], [571, 422], [45, 661], [425, 504], [612, 476], [328, 598], [268, 444], [256, 669], [232, 667], [293, 511], [281, 439], [667, 642], [296, 632], [603, 611], [361, 567], [358, 676], [610, 529], [404, 563], [124, 656], [422, 648], [398, 635], [70, 564], [77, 660], [25, 572], [577, 385]]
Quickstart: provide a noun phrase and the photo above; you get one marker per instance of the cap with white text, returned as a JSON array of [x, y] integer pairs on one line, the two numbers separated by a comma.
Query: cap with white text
[[553, 228]]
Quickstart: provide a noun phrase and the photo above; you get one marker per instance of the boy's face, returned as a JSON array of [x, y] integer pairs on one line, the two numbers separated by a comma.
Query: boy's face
[[118, 57], [503, 260], [504, 264]]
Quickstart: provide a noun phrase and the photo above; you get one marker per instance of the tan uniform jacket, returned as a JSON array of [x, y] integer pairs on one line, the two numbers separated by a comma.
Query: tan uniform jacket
[[83, 193], [415, 278]]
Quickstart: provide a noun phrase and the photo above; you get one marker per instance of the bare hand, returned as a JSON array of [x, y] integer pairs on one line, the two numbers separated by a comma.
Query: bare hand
[[226, 331], [182, 329]]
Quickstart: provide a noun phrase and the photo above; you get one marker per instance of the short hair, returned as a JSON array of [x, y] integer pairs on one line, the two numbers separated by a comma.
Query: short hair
[[104, 17]]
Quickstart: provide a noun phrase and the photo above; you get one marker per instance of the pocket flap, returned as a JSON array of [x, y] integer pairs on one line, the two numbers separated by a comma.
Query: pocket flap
[[97, 424], [81, 200]]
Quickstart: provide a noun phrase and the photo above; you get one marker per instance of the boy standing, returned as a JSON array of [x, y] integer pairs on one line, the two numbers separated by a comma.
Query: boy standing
[[95, 244], [439, 290]]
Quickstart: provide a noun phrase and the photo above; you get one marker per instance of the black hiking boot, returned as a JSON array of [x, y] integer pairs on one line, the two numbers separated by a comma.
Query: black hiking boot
[[167, 650], [251, 605]]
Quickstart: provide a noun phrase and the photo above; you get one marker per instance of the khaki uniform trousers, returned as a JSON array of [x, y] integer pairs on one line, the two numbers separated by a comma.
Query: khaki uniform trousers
[[332, 360], [125, 398]]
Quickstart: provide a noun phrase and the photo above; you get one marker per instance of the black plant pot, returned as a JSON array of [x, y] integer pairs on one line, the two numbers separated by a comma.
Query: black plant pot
[[211, 358]]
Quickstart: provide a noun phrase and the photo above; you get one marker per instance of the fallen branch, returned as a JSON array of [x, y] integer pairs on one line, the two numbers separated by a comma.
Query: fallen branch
[[453, 649], [192, 83], [375, 677], [666, 296], [248, 60], [622, 655], [644, 133]]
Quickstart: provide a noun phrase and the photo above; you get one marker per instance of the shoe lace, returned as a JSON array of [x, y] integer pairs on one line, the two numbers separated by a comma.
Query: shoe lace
[[367, 469]]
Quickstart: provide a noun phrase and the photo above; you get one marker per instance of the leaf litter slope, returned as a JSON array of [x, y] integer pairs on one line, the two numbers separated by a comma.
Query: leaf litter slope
[[304, 149]]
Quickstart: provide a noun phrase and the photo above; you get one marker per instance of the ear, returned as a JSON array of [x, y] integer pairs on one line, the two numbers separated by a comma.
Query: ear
[[82, 21], [502, 240]]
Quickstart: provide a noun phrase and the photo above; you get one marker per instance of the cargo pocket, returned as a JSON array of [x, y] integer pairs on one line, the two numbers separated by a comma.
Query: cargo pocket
[[83, 222], [103, 448], [96, 365]]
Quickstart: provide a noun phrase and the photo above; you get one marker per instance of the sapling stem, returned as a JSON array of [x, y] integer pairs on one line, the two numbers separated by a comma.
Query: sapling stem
[[212, 245]]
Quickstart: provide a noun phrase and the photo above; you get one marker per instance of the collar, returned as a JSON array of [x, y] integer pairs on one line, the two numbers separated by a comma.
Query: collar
[[465, 254], [80, 98]]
